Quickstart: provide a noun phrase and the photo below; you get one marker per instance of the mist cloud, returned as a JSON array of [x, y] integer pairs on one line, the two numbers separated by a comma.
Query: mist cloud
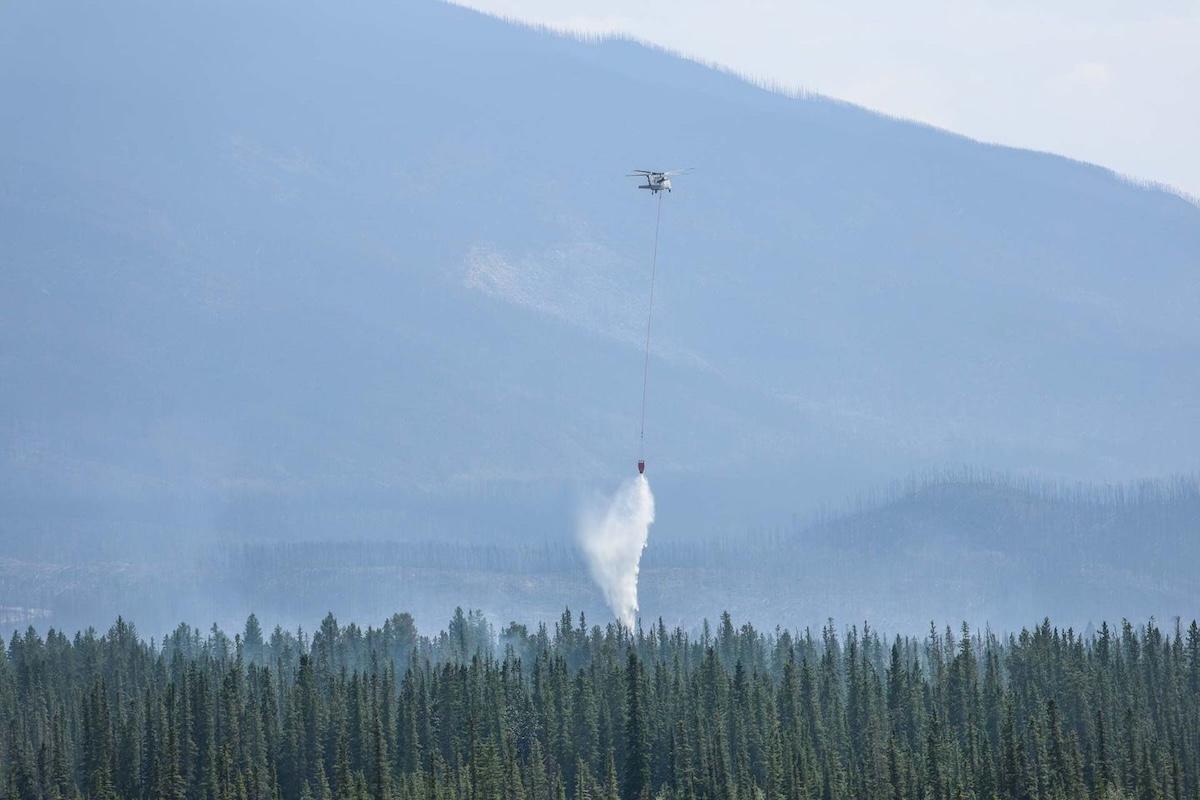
[[613, 533]]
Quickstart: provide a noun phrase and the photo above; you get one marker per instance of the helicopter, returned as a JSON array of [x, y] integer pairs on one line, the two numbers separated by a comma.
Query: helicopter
[[656, 180]]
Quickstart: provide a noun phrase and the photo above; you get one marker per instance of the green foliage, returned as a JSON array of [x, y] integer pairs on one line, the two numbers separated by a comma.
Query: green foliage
[[601, 714]]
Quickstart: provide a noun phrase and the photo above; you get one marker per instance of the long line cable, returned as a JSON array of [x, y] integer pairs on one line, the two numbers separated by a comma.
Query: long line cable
[[649, 319]]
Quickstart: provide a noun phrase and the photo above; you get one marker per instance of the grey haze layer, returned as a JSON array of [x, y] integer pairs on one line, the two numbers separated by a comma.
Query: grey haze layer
[[950, 549], [370, 270]]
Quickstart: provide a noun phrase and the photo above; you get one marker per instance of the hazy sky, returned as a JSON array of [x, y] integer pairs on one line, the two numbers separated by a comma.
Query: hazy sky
[[1114, 82]]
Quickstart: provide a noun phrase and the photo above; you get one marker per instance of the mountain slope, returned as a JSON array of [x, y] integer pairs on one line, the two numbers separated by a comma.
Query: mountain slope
[[294, 270]]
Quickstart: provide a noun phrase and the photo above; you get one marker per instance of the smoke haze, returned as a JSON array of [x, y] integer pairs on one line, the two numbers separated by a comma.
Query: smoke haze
[[613, 534]]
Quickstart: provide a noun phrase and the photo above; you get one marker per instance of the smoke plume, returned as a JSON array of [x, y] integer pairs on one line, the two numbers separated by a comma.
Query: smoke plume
[[613, 533]]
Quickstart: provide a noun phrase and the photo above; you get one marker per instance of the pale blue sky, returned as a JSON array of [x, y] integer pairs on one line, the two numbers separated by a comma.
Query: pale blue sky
[[1114, 83]]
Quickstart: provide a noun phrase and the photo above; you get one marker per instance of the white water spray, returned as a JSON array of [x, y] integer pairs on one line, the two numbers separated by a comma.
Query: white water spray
[[613, 534]]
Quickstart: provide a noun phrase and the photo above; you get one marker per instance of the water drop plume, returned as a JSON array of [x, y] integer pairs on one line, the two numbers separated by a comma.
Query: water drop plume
[[612, 533]]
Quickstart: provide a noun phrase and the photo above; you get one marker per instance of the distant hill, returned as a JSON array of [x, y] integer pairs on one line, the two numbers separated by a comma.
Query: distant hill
[[371, 271], [989, 549], [984, 550]]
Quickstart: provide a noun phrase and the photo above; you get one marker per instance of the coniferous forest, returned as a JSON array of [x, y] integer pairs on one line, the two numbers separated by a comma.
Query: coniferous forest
[[591, 713]]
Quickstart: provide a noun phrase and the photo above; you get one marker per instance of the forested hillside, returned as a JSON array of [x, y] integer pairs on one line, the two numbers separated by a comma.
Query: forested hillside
[[588, 713]]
